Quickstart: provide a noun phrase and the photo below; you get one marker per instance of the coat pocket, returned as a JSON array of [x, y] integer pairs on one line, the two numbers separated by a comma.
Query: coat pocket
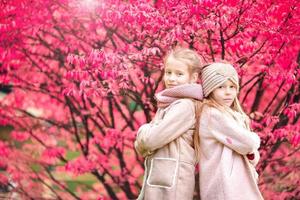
[[163, 172]]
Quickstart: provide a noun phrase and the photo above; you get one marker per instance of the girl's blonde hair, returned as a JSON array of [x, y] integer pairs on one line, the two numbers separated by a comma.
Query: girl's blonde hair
[[196, 136], [187, 56], [209, 101], [195, 63]]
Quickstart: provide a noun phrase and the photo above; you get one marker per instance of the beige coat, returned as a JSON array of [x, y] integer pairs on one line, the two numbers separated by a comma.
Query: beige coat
[[225, 171], [167, 144]]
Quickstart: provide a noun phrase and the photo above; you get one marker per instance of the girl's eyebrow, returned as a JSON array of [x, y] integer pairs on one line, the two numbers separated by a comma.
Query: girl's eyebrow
[[176, 70], [181, 70]]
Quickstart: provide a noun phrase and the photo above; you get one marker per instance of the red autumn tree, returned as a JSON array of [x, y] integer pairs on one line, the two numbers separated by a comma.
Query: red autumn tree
[[79, 78]]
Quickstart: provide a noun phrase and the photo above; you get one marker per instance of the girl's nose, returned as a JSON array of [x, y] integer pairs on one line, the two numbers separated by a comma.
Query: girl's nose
[[227, 90], [172, 77]]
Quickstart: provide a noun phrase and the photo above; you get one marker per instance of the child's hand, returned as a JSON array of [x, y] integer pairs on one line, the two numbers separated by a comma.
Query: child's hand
[[142, 151], [138, 144]]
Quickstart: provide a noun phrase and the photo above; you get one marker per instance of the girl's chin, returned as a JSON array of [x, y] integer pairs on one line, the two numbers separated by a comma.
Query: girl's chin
[[227, 105]]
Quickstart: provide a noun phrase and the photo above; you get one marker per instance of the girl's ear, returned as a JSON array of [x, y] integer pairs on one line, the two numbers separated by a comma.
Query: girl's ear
[[194, 77]]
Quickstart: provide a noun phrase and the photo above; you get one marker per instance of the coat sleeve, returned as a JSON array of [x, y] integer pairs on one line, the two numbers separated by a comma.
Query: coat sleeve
[[230, 133], [177, 120], [137, 144]]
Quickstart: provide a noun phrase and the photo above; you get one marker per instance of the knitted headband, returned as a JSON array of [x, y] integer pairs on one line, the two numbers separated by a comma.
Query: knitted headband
[[216, 74]]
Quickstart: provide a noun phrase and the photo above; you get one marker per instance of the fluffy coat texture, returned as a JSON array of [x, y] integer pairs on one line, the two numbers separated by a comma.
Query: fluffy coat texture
[[225, 171], [167, 144]]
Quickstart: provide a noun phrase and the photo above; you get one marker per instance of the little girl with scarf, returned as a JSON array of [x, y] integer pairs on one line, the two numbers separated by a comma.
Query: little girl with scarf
[[168, 142]]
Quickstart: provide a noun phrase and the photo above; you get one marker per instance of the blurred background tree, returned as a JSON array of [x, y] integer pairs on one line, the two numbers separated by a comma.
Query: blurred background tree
[[78, 78]]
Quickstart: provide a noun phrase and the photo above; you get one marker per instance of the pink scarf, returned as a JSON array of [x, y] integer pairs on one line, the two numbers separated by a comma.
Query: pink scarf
[[168, 96]]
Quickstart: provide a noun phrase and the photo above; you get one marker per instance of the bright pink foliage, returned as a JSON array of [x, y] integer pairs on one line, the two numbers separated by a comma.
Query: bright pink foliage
[[82, 74]]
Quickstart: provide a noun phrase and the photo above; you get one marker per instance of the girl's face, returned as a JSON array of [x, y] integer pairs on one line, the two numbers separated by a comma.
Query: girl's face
[[177, 73], [225, 94]]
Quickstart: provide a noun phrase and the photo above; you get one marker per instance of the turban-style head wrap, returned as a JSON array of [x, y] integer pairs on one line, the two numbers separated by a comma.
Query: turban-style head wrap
[[215, 74]]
